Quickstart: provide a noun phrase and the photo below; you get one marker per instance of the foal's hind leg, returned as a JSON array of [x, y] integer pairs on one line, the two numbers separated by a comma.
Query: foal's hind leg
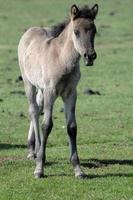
[[70, 103], [33, 112], [31, 142], [31, 135]]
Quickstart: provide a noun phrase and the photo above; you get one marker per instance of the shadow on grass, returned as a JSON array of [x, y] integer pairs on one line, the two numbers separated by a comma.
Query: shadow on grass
[[97, 163], [50, 163], [91, 176], [5, 146], [58, 175]]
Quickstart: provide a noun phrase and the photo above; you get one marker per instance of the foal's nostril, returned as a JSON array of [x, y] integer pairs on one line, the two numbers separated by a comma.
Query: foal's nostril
[[85, 55], [93, 56]]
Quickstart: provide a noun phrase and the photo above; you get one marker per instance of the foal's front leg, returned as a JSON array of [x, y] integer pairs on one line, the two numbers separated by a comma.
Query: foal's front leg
[[47, 125], [70, 103]]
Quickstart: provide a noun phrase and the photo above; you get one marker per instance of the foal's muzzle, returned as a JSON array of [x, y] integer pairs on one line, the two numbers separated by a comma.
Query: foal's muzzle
[[89, 58]]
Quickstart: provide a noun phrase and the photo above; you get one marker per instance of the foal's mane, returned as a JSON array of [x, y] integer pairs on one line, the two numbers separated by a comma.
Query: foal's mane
[[84, 12], [57, 29]]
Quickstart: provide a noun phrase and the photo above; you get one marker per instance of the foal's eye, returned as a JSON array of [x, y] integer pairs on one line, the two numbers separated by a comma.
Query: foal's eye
[[87, 30], [77, 33]]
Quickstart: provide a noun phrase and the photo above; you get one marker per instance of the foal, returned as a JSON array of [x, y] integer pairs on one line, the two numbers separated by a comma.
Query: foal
[[49, 63]]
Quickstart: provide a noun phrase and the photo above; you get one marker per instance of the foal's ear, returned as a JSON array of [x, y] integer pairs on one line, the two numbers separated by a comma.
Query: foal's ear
[[94, 10], [74, 11]]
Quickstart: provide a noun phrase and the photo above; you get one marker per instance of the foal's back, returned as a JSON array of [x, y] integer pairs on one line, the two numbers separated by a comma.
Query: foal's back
[[32, 53], [35, 33]]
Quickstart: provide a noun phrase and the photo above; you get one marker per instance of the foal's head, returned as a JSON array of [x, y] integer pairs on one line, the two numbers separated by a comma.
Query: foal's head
[[84, 31]]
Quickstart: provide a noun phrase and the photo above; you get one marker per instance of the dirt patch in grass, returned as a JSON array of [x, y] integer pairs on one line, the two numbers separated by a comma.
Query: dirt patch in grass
[[3, 159]]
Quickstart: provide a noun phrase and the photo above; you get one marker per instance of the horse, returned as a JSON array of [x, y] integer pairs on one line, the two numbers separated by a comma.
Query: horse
[[49, 60]]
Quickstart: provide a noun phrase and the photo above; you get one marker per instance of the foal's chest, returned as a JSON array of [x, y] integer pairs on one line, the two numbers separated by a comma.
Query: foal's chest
[[67, 83]]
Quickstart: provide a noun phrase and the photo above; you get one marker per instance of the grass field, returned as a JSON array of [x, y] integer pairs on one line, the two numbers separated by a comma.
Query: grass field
[[105, 122]]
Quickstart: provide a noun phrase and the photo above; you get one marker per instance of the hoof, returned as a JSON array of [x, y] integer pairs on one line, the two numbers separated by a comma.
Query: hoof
[[39, 175], [31, 156], [81, 176]]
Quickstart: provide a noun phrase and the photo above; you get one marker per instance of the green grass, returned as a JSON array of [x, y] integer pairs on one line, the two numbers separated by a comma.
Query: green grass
[[105, 122]]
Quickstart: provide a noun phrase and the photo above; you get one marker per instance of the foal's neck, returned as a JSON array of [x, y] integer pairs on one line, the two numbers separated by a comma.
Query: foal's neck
[[68, 54]]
